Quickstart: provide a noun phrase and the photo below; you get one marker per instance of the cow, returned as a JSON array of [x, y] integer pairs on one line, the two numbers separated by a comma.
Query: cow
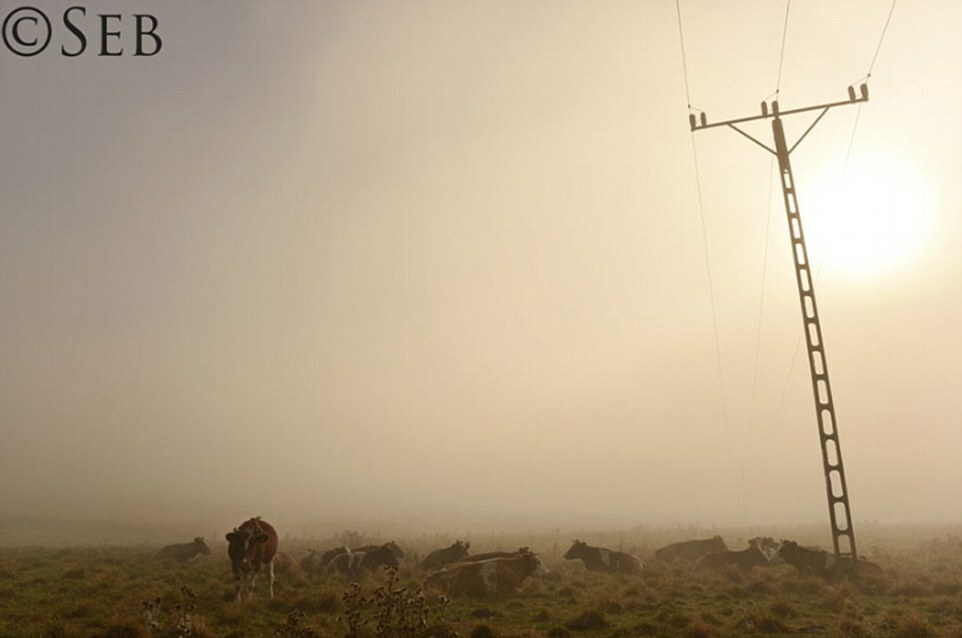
[[599, 559], [809, 560], [316, 562], [390, 545], [441, 557], [743, 560], [476, 558], [252, 547], [486, 577], [284, 563], [184, 552], [768, 545], [690, 551], [366, 559]]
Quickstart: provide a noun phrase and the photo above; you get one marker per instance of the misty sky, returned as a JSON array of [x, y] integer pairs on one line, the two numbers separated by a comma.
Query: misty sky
[[339, 260]]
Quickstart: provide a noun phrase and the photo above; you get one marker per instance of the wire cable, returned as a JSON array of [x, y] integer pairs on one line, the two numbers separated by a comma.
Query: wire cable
[[711, 283], [684, 61], [768, 221], [781, 57], [881, 38]]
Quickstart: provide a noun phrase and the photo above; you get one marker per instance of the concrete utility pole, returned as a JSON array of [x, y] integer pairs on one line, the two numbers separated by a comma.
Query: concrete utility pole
[[843, 536]]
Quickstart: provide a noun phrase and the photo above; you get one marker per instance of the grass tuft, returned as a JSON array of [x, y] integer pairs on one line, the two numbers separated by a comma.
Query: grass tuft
[[589, 620]]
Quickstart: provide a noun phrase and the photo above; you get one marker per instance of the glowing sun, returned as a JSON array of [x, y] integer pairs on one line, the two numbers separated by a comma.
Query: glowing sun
[[870, 223]]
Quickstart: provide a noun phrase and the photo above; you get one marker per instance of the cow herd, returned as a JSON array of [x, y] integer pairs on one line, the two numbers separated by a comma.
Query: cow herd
[[252, 548]]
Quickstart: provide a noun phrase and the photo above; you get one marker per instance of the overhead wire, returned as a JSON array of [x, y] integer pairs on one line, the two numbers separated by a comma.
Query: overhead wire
[[768, 220], [704, 235]]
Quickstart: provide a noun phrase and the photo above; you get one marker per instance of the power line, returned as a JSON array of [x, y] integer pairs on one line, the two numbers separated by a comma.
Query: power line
[[704, 235], [879, 47], [781, 60], [684, 62]]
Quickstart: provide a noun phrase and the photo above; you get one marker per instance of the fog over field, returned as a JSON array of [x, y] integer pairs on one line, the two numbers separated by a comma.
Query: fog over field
[[441, 266]]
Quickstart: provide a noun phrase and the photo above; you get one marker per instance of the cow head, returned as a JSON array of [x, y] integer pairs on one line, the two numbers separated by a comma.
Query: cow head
[[395, 550], [241, 547], [577, 550], [201, 544], [461, 545]]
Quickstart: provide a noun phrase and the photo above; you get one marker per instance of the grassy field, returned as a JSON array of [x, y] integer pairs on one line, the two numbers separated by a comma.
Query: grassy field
[[101, 591]]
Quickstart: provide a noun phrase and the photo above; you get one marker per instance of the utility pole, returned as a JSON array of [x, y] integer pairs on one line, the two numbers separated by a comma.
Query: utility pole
[[843, 536]]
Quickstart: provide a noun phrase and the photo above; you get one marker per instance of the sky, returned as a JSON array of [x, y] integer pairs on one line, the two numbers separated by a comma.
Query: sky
[[464, 265]]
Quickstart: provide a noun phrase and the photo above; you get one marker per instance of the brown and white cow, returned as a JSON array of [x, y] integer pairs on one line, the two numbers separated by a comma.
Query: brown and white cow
[[185, 551], [743, 560], [366, 559], [316, 562], [690, 551], [252, 547], [485, 577], [441, 557], [599, 559]]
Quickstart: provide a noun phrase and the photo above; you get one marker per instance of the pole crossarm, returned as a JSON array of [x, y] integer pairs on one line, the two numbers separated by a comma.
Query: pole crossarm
[[775, 112]]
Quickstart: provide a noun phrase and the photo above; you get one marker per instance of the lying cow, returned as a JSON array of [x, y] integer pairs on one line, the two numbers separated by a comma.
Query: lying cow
[[184, 552], [252, 547], [599, 559], [807, 560], [485, 577], [810, 560], [316, 562], [475, 558], [284, 563], [743, 560], [441, 557], [366, 559], [690, 551]]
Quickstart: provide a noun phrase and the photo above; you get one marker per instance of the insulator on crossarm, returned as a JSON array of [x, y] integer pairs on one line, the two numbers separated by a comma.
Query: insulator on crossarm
[[691, 120], [704, 120], [864, 90], [851, 93], [764, 108], [775, 107]]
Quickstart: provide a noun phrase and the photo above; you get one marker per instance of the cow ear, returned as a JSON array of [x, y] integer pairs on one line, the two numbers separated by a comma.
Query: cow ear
[[230, 536], [260, 538]]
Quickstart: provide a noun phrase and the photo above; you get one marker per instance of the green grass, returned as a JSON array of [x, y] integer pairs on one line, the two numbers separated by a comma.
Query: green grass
[[100, 591]]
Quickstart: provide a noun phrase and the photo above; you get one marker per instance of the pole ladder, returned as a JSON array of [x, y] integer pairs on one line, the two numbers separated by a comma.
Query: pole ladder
[[840, 513]]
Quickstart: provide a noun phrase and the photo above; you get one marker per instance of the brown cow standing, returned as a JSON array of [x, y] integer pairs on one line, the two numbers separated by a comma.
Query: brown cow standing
[[252, 547]]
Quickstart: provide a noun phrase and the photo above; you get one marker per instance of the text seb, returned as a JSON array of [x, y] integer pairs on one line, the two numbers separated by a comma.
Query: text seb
[[27, 31]]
